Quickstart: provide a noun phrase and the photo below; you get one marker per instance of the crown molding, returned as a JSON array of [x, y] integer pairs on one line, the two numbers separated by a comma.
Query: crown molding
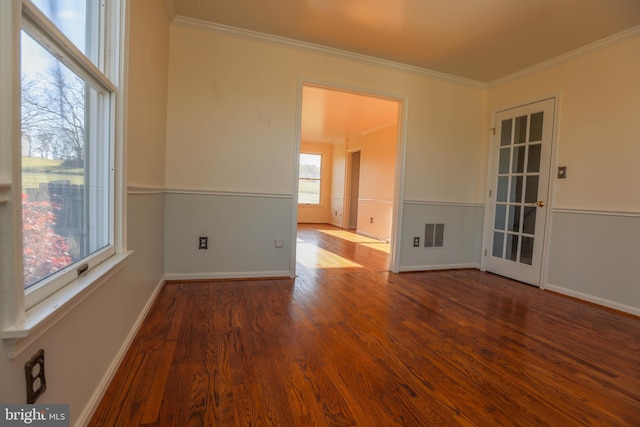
[[590, 48], [196, 24]]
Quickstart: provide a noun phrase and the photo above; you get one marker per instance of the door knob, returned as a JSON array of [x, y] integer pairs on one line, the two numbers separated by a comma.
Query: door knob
[[539, 203]]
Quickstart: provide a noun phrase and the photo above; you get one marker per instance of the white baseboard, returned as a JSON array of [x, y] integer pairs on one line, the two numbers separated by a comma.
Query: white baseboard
[[596, 300], [417, 268], [94, 401], [228, 275]]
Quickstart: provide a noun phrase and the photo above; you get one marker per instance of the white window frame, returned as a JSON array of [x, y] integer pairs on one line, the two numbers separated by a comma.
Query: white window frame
[[26, 315], [312, 179]]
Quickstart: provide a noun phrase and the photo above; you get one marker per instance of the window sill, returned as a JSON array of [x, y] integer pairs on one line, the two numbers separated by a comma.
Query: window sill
[[42, 316]]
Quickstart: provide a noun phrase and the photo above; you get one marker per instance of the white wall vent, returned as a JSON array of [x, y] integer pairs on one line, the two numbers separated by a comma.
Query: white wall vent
[[434, 235]]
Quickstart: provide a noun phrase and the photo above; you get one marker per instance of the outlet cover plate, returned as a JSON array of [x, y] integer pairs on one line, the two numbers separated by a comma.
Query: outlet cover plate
[[203, 243], [34, 373]]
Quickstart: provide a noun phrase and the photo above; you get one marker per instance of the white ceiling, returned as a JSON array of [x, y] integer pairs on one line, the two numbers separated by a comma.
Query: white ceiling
[[482, 40], [333, 116]]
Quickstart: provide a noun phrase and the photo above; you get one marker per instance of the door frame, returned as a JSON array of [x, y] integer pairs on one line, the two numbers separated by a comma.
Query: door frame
[[398, 193], [348, 182], [491, 164]]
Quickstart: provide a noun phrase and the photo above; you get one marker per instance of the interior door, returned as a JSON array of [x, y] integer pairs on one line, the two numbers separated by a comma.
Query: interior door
[[518, 197]]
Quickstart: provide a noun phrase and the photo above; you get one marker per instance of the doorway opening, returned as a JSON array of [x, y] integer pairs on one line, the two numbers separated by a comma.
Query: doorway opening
[[353, 186], [359, 135]]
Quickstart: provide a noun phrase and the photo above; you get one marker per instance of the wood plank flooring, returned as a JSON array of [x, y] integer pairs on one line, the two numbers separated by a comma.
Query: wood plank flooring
[[348, 344]]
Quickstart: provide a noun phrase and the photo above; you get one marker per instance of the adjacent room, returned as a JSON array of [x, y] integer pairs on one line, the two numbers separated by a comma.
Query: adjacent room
[[321, 212], [347, 169]]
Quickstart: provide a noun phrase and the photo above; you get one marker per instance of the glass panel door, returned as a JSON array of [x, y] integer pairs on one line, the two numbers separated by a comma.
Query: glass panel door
[[518, 176], [519, 190]]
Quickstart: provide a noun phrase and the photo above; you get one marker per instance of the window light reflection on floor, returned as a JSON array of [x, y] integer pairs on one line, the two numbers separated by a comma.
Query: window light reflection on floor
[[379, 246], [350, 236], [312, 256], [359, 239]]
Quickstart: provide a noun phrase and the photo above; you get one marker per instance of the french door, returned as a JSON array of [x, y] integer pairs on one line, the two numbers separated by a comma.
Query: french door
[[519, 191]]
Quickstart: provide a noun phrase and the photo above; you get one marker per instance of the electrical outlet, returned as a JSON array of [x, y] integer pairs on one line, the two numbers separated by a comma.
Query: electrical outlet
[[34, 373], [279, 243], [416, 242], [203, 243], [371, 220]]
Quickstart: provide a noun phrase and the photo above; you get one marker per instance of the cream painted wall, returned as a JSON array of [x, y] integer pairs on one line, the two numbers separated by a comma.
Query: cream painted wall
[[229, 123], [147, 94], [377, 180], [377, 162], [598, 138], [231, 115], [82, 349], [319, 214], [447, 145]]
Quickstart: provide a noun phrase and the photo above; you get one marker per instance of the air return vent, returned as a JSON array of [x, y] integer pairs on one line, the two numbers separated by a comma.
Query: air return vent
[[434, 235]]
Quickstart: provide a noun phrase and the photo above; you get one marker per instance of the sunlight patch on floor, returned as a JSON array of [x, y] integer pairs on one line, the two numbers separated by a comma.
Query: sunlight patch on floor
[[311, 256], [350, 236], [380, 246]]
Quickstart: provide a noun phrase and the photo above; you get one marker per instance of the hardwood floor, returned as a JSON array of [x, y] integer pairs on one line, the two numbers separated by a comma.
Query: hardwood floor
[[349, 344]]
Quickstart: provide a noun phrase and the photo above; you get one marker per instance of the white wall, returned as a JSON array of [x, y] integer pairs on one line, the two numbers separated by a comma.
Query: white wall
[[319, 214], [596, 209], [231, 123], [82, 348]]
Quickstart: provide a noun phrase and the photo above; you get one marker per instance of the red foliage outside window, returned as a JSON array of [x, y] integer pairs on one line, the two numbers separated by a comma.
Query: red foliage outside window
[[45, 252]]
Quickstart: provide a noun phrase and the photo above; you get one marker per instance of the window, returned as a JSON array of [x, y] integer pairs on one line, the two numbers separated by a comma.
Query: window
[[69, 66], [67, 144], [309, 179]]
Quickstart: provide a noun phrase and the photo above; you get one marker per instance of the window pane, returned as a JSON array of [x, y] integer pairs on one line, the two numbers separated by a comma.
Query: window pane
[[505, 132], [503, 188], [503, 166], [516, 189], [513, 222], [74, 18], [518, 160], [501, 215], [535, 133], [309, 192], [529, 223], [531, 194], [498, 243], [521, 130], [533, 164], [65, 181], [310, 165], [309, 182], [526, 251], [512, 247]]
